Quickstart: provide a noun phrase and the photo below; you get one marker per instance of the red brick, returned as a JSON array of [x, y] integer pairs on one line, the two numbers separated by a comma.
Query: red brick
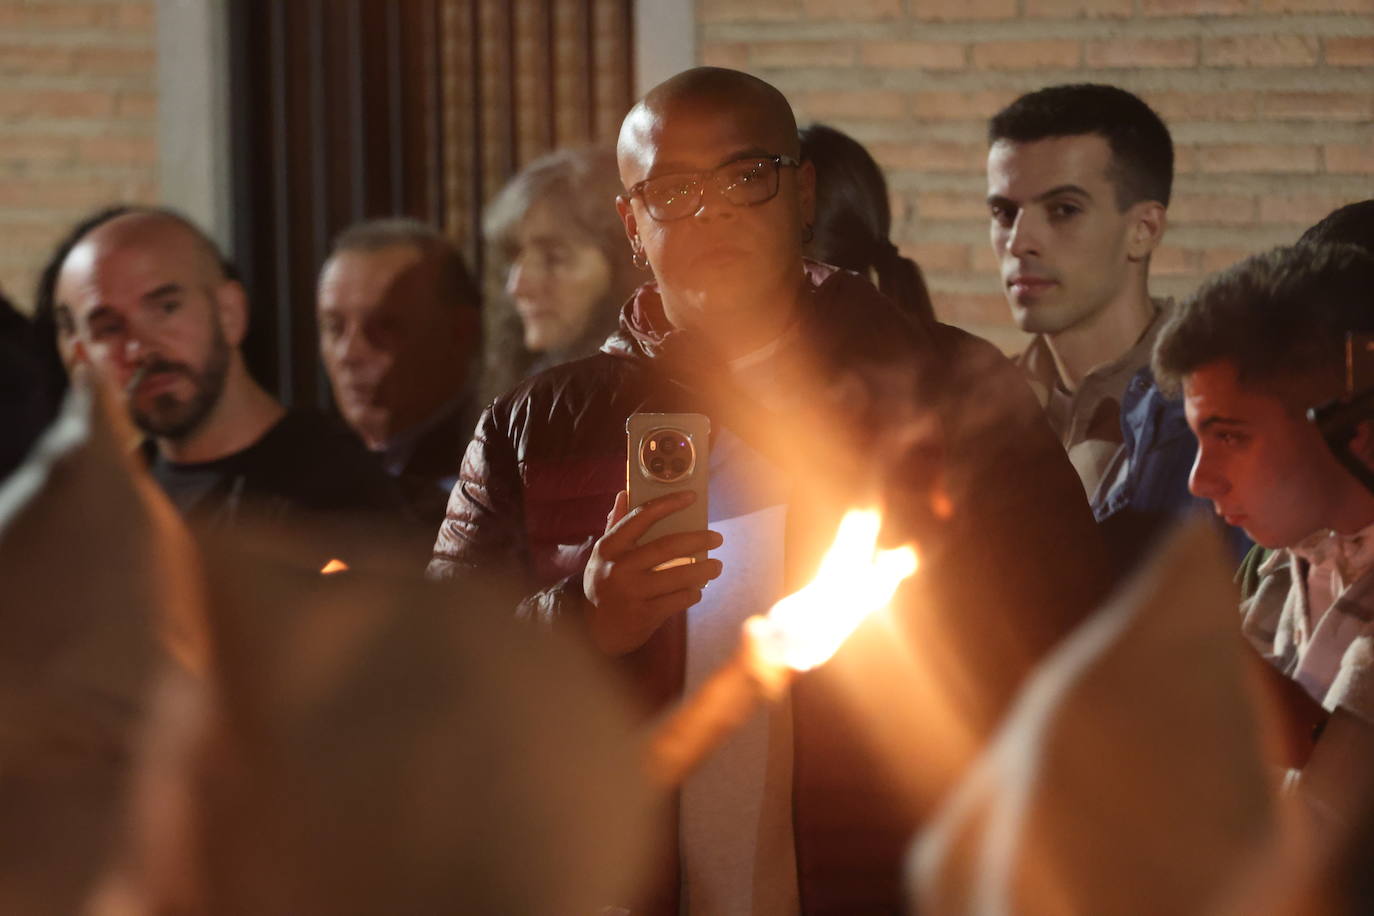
[[950, 105], [1349, 52], [114, 61], [56, 103], [70, 193], [36, 60], [1080, 9], [951, 206], [1317, 6], [732, 54], [1298, 209], [972, 308], [1203, 106], [952, 10], [1049, 54], [1349, 159], [1141, 52], [785, 54], [886, 104], [1212, 209], [37, 16], [1260, 51], [753, 11], [1194, 7], [932, 156], [913, 55], [140, 16], [938, 257], [853, 9], [984, 261], [1215, 259], [1169, 261], [50, 150], [137, 105], [1318, 106], [1257, 158], [135, 150]]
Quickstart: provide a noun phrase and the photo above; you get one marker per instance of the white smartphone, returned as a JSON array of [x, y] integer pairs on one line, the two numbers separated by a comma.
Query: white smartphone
[[667, 453]]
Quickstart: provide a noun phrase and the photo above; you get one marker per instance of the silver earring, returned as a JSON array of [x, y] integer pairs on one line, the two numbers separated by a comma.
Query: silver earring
[[638, 258]]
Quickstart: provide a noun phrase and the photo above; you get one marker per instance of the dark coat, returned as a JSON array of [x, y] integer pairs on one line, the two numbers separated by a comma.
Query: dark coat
[[923, 419]]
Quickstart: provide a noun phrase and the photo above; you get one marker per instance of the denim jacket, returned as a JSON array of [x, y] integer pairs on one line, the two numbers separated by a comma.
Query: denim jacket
[[1146, 482]]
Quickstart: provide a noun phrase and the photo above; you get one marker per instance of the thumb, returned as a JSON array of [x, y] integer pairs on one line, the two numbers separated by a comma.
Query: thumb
[[618, 511]]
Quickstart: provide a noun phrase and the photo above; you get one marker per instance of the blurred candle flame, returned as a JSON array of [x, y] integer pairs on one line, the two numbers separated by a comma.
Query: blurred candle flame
[[333, 566], [856, 579]]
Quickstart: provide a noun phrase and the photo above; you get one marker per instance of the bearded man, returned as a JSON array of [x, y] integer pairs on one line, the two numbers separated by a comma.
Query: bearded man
[[154, 308]]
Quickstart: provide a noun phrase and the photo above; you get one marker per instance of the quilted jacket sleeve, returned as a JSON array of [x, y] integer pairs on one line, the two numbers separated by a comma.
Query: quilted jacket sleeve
[[484, 525]]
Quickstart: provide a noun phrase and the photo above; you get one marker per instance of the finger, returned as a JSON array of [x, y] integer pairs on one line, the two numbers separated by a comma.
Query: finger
[[670, 547], [618, 510], [622, 536], [692, 575], [665, 606]]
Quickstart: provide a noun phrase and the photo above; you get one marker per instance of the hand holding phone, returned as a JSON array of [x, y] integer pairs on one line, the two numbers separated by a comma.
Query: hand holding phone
[[637, 576]]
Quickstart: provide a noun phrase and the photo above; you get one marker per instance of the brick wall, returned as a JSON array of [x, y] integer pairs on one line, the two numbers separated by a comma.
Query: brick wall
[[78, 125], [1270, 102]]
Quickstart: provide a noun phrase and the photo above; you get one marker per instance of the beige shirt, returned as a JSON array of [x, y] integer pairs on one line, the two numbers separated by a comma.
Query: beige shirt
[[1088, 420]]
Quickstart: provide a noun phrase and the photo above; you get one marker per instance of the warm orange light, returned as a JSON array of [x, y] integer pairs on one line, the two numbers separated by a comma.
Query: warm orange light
[[855, 579], [333, 566]]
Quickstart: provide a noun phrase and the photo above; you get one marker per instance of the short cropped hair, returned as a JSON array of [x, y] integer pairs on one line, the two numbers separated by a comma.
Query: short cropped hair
[[456, 284], [1280, 317], [43, 299], [1352, 224], [1142, 150]]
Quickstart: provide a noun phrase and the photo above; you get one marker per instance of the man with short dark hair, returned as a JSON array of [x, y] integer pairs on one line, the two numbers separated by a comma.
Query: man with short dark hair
[[400, 329], [155, 311], [1253, 350], [1079, 182], [822, 395]]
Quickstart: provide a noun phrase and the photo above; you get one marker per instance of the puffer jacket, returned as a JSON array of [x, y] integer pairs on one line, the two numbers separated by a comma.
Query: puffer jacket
[[932, 422]]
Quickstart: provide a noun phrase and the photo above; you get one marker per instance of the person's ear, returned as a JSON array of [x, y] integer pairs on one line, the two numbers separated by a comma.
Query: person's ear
[[1149, 220], [627, 218], [231, 305], [806, 192]]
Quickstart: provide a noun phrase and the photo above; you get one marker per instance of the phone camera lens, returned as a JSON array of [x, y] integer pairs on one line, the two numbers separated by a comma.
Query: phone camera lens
[[667, 455]]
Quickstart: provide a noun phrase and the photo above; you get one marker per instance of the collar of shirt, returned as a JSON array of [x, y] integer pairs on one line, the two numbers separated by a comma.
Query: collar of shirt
[[398, 450], [1344, 557]]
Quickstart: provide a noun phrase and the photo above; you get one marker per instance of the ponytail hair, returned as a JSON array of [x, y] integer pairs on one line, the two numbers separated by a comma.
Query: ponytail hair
[[854, 219]]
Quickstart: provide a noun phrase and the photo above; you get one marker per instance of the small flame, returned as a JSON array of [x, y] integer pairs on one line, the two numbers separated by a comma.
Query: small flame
[[855, 579], [333, 566]]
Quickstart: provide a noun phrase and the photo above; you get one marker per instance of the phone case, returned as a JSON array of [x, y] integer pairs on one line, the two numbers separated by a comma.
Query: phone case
[[667, 453]]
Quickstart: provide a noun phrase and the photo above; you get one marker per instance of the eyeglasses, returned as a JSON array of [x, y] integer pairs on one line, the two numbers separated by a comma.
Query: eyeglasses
[[744, 182]]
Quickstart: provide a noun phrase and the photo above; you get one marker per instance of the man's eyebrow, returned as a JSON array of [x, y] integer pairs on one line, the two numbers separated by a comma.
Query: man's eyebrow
[[997, 200], [679, 168], [1057, 190], [1216, 420], [166, 289], [100, 312]]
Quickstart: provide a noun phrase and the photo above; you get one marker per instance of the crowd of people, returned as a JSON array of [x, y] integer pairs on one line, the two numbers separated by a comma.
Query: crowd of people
[[453, 720]]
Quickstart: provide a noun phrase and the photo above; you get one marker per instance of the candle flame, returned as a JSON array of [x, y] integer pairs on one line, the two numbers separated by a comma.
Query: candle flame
[[855, 579], [333, 566]]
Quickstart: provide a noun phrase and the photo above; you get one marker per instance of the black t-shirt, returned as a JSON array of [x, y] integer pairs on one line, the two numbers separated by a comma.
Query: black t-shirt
[[308, 469]]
